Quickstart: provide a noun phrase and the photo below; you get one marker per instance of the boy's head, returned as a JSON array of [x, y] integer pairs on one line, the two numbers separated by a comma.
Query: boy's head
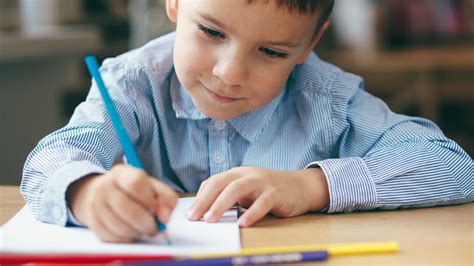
[[322, 9], [235, 56]]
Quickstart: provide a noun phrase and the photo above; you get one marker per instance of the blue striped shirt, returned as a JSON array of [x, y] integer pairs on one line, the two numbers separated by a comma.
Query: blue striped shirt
[[372, 157]]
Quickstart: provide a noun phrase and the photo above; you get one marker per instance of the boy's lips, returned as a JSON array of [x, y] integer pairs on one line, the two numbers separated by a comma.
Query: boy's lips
[[220, 98]]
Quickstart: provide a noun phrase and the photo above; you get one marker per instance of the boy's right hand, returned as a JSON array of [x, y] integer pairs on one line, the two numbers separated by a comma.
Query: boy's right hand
[[119, 205]]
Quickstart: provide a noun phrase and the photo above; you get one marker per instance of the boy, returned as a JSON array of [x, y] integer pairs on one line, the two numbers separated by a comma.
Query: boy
[[235, 104]]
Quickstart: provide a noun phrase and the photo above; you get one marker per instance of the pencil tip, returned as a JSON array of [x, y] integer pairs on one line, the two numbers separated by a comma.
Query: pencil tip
[[167, 238]]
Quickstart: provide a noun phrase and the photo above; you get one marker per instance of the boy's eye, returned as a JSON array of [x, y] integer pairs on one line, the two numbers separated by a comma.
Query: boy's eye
[[210, 32], [272, 53]]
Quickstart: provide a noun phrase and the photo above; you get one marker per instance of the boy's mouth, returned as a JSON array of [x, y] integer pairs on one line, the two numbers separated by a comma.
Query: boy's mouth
[[219, 97]]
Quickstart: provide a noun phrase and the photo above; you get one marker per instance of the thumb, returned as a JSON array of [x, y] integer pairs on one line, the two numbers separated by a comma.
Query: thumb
[[165, 199]]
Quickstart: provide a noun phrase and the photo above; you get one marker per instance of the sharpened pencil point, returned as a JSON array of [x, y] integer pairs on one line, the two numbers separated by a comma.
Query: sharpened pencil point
[[167, 238]]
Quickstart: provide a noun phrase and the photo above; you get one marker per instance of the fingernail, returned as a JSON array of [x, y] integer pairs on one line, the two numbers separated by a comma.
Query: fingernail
[[165, 214], [208, 216], [242, 222]]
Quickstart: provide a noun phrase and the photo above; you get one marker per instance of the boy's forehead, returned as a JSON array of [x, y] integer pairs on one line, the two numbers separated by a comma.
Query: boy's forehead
[[263, 18], [272, 6]]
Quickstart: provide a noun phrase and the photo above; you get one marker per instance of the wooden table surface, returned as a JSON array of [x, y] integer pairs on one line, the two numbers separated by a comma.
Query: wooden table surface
[[439, 236]]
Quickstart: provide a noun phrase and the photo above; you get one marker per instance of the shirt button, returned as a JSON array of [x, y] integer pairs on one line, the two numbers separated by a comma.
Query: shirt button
[[218, 157], [219, 125]]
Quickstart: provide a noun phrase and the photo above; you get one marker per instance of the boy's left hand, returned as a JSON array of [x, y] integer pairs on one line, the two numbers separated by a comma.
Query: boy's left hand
[[282, 193]]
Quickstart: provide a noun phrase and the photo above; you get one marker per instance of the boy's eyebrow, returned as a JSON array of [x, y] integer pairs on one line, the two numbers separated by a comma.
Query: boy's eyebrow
[[283, 43], [223, 26], [211, 19]]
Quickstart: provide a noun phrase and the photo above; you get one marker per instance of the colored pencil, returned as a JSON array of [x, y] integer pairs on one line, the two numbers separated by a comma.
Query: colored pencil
[[127, 146], [332, 249], [21, 258], [294, 257]]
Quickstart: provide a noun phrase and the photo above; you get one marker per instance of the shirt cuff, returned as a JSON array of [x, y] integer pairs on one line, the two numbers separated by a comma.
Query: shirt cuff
[[54, 207], [350, 184]]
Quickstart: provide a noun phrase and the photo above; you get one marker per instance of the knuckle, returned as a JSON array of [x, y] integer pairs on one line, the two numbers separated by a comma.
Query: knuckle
[[134, 182], [236, 170], [266, 201], [211, 183], [272, 192], [118, 168], [241, 170], [240, 183], [218, 178]]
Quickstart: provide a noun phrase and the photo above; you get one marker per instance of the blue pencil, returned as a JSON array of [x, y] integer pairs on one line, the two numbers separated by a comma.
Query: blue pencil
[[278, 258], [127, 146]]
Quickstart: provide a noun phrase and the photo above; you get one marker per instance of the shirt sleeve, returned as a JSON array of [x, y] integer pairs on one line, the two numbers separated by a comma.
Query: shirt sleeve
[[386, 160], [86, 145]]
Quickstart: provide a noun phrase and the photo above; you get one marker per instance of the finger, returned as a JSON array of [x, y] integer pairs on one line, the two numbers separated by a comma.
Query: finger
[[103, 231], [208, 193], [236, 190], [190, 213], [259, 208], [136, 184], [245, 202], [117, 226], [131, 212], [166, 200]]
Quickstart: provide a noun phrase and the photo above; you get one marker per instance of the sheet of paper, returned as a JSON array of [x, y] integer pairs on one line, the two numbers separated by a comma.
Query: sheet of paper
[[25, 234]]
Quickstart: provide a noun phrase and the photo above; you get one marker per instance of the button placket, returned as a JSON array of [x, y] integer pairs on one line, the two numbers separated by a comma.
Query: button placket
[[218, 147], [219, 125]]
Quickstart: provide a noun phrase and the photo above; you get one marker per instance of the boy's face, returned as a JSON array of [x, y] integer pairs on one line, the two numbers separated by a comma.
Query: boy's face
[[234, 57]]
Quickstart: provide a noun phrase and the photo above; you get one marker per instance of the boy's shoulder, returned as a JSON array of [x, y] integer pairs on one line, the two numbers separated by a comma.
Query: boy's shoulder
[[318, 83], [321, 77], [156, 54]]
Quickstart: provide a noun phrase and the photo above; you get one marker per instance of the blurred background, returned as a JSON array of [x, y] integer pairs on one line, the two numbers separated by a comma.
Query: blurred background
[[416, 55]]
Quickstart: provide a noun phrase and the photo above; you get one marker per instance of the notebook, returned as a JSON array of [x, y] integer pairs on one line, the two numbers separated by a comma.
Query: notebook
[[24, 234]]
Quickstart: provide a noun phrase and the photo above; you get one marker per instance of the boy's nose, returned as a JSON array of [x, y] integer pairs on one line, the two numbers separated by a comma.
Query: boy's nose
[[231, 70]]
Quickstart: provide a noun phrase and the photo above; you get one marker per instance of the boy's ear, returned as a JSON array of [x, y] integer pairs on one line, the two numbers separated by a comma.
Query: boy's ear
[[315, 41], [172, 10]]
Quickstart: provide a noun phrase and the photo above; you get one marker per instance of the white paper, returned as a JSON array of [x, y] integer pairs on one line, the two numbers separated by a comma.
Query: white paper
[[24, 234]]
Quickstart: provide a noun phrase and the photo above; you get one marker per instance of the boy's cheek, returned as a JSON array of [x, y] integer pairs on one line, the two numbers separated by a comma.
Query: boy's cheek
[[192, 61]]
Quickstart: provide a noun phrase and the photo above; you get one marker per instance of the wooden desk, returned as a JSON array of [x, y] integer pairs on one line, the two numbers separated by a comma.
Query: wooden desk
[[441, 236]]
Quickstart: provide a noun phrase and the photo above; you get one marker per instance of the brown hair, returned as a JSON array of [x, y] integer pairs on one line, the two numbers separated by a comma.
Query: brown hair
[[322, 7]]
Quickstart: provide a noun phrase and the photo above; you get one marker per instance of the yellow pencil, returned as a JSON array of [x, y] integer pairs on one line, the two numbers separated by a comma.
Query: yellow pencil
[[333, 249]]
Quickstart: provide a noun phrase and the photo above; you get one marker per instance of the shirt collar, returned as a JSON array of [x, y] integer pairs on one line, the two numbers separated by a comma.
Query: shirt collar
[[182, 103], [249, 125]]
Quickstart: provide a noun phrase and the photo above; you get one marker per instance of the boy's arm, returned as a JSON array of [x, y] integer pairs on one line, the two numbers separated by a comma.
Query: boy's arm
[[386, 160], [87, 145]]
